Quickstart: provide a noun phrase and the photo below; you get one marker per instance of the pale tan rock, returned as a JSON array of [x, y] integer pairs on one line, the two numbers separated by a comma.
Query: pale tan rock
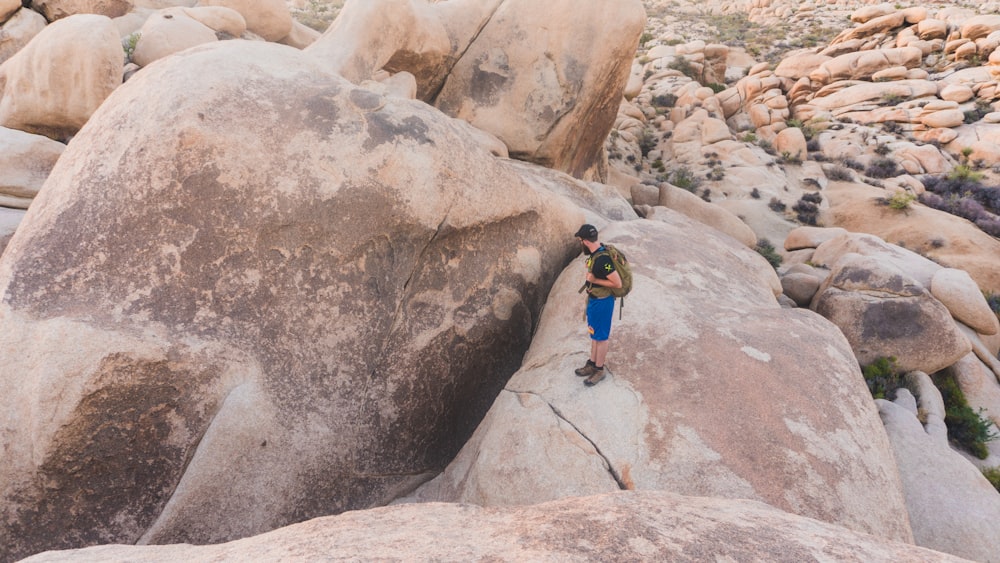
[[257, 218], [167, 32], [673, 445], [868, 13], [800, 65], [53, 85], [874, 26], [800, 287], [891, 73], [948, 240], [956, 93], [885, 313], [962, 296], [939, 136], [966, 51], [943, 119], [17, 31], [217, 18], [863, 64], [8, 8], [58, 9], [633, 526], [25, 162], [951, 504], [932, 29], [980, 26], [868, 91], [269, 19], [791, 141], [811, 237], [714, 130], [984, 152], [690, 205], [301, 36]]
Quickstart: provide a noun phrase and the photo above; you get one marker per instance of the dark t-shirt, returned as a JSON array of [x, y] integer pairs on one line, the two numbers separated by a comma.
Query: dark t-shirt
[[603, 266]]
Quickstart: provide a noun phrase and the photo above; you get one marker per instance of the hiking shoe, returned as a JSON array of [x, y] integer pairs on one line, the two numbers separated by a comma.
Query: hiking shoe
[[596, 378], [587, 370]]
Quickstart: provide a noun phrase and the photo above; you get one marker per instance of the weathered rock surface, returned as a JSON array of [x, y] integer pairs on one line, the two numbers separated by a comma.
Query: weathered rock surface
[[270, 19], [639, 526], [16, 32], [25, 162], [952, 507], [54, 84], [289, 298], [58, 9], [563, 77], [170, 31], [666, 416], [960, 294], [885, 313]]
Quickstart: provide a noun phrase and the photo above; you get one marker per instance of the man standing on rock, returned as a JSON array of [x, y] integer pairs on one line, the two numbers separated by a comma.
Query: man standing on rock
[[601, 275]]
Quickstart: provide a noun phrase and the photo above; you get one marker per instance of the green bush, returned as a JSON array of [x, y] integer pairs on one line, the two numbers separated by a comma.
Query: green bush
[[766, 249], [992, 475], [966, 428], [882, 377], [685, 179]]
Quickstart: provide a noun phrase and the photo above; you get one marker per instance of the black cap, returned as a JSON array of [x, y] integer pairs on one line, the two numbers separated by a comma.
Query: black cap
[[587, 232]]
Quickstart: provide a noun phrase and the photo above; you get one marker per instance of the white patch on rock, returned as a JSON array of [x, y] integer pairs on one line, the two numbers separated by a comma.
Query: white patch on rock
[[756, 354]]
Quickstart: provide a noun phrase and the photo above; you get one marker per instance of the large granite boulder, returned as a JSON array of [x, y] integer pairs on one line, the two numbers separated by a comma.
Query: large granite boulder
[[635, 526], [270, 19], [58, 9], [562, 74], [16, 32], [952, 507], [721, 397], [885, 313], [25, 162], [252, 293], [53, 85], [551, 95]]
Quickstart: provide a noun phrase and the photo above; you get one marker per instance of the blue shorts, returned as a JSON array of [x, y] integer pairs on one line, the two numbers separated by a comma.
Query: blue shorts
[[599, 313]]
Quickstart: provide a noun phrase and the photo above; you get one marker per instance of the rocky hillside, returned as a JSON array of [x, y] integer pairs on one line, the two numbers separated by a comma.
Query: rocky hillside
[[295, 277]]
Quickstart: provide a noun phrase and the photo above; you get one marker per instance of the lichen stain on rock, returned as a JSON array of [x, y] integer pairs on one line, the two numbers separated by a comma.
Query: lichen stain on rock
[[113, 466], [891, 319], [382, 130]]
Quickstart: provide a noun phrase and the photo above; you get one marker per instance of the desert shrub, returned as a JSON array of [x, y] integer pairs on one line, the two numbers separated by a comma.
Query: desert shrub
[[992, 475], [776, 205], [853, 164], [682, 65], [646, 37], [973, 115], [807, 208], [717, 173], [965, 173], [900, 201], [767, 250], [749, 137], [128, 45], [766, 145], [716, 87], [892, 127], [966, 428], [882, 377], [706, 195], [882, 149], [685, 179], [883, 168], [812, 145], [664, 100], [993, 300], [788, 158], [755, 193], [647, 142], [839, 174]]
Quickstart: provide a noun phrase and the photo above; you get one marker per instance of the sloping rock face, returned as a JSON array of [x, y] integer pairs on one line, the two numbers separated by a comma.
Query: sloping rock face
[[551, 94], [634, 526], [952, 507], [726, 398], [53, 85], [25, 163], [252, 293], [563, 74]]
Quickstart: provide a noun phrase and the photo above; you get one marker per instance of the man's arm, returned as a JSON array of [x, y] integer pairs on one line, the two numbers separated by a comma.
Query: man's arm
[[613, 280]]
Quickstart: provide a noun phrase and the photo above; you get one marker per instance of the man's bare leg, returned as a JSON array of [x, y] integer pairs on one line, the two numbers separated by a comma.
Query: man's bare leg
[[599, 351]]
